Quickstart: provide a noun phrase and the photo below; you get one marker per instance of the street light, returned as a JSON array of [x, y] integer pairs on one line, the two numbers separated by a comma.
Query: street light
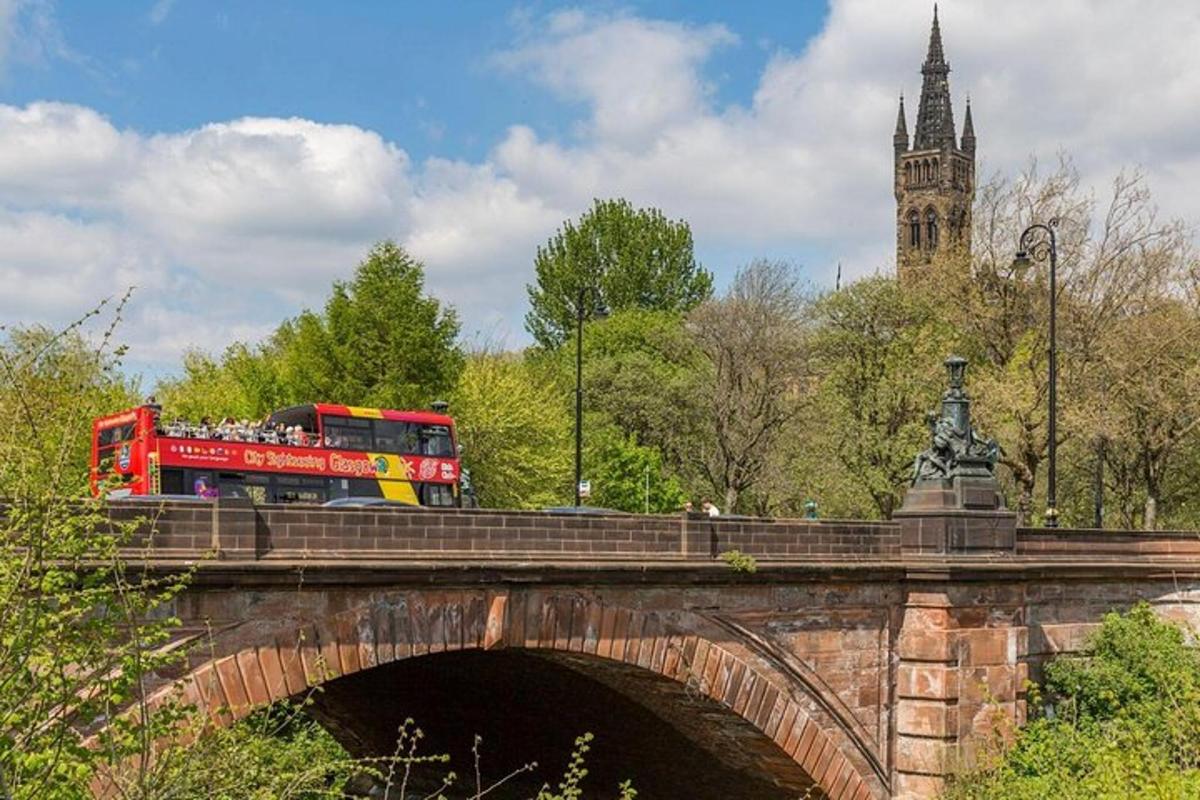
[[1038, 243], [581, 314]]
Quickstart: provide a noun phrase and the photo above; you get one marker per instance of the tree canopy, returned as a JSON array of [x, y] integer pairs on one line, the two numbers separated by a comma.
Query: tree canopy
[[380, 341], [620, 257]]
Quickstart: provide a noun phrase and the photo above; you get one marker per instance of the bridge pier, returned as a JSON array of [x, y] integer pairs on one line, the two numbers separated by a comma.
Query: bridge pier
[[960, 679], [961, 649]]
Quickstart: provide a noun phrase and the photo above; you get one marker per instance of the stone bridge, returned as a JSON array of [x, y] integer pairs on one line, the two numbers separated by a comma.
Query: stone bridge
[[860, 660]]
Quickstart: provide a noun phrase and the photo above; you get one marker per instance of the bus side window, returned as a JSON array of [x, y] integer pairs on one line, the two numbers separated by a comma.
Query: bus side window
[[435, 441], [172, 481], [438, 494], [300, 489], [109, 443], [107, 437], [393, 436], [203, 485], [347, 433]]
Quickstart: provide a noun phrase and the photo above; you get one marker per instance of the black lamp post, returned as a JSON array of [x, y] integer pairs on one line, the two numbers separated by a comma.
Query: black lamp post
[[581, 314], [1038, 243]]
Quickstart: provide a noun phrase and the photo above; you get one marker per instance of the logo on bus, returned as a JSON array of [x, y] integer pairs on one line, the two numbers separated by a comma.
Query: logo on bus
[[123, 457], [381, 465]]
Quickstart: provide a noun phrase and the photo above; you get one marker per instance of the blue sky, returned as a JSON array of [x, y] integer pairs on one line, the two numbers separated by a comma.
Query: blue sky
[[232, 159], [417, 73]]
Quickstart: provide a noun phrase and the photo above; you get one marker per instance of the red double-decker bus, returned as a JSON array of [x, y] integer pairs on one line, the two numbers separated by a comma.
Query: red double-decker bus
[[309, 453]]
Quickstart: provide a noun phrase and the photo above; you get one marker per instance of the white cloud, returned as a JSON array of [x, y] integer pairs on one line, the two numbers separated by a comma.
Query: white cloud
[[234, 224], [53, 265], [808, 159], [59, 154], [270, 176], [638, 75]]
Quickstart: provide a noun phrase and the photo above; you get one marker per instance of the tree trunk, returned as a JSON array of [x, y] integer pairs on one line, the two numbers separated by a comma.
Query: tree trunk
[[1024, 503], [1150, 515], [731, 496], [1025, 476]]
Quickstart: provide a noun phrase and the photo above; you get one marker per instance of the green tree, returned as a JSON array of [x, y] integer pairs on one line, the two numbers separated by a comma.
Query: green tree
[[78, 637], [276, 753], [243, 383], [1148, 406], [627, 476], [1114, 258], [642, 373], [879, 350], [43, 369], [757, 342], [515, 431], [621, 258], [380, 341]]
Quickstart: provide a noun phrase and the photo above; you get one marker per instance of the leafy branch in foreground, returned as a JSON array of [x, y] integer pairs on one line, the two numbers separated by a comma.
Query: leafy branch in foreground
[[81, 639]]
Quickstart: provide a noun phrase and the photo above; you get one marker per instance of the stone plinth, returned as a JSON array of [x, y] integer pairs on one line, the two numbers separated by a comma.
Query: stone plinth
[[962, 515]]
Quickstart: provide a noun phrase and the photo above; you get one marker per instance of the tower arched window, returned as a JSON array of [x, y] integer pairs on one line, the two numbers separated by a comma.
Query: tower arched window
[[908, 174], [936, 172], [914, 230], [931, 229]]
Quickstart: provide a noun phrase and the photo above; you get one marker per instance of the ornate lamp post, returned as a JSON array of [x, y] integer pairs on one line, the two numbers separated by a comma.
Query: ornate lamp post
[[581, 314], [1038, 243]]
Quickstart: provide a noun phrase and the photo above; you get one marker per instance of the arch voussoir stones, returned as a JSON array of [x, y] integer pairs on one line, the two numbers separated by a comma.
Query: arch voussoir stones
[[409, 624]]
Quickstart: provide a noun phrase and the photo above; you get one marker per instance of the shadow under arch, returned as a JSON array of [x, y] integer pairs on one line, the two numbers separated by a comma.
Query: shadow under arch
[[686, 668]]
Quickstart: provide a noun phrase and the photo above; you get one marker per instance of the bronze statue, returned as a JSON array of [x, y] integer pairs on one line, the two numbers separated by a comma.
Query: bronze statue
[[956, 449]]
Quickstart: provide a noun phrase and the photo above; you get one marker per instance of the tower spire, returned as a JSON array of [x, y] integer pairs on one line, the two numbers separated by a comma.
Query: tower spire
[[935, 117], [968, 134], [900, 137], [936, 55]]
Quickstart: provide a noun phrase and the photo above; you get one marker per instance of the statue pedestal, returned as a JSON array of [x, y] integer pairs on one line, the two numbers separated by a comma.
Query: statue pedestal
[[961, 515]]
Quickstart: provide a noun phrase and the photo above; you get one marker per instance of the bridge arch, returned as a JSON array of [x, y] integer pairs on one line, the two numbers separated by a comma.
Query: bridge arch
[[264, 664]]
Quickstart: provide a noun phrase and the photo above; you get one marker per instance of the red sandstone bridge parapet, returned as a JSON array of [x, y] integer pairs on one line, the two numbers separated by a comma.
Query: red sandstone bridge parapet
[[238, 531], [267, 532]]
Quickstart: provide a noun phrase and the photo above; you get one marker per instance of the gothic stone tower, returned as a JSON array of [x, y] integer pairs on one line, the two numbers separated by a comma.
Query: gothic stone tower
[[935, 177]]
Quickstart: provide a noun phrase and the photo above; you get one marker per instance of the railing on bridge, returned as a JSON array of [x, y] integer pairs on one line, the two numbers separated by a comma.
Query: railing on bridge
[[237, 530], [268, 532]]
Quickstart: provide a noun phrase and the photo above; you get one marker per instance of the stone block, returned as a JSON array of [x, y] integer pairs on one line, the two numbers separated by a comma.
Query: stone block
[[933, 718], [926, 681], [985, 646], [917, 787], [923, 756], [988, 684], [257, 692], [965, 515], [919, 645]]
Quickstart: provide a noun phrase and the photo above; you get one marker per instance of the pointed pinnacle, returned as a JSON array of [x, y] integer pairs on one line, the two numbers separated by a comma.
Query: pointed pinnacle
[[936, 55]]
